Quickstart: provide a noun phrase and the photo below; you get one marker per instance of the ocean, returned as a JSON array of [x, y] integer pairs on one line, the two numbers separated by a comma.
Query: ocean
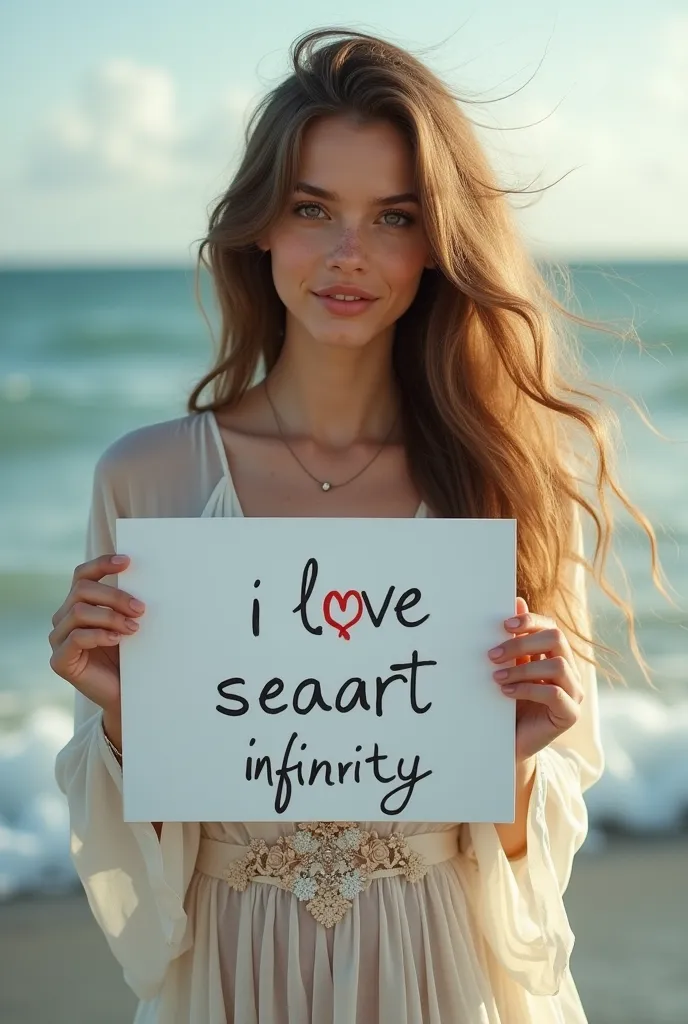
[[87, 355]]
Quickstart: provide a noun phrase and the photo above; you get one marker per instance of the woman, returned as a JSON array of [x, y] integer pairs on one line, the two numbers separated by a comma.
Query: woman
[[365, 256]]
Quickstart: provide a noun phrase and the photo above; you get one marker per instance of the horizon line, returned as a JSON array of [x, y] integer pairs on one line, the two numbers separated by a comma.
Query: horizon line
[[164, 265]]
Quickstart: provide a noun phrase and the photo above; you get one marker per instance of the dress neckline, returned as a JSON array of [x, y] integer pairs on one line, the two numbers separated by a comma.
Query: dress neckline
[[235, 504]]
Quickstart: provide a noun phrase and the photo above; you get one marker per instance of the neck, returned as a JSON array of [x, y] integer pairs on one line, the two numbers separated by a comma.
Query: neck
[[335, 396]]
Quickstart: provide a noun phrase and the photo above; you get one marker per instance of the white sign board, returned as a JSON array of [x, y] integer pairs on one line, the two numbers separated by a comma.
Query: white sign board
[[317, 669]]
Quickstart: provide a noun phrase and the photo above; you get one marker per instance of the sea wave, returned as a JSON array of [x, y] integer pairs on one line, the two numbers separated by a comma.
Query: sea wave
[[48, 411], [644, 788]]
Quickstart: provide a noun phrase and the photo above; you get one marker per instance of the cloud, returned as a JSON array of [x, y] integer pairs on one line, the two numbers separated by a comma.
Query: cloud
[[123, 128], [125, 165], [215, 142], [669, 84], [614, 132], [620, 140]]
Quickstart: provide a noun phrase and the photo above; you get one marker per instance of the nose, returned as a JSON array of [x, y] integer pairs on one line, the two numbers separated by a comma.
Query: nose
[[348, 251]]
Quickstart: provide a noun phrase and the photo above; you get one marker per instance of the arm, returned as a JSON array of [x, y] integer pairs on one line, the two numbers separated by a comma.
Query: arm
[[514, 837], [134, 877], [551, 710], [516, 875], [112, 729]]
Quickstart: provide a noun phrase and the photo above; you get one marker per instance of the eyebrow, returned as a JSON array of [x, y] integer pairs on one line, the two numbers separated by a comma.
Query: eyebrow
[[322, 193]]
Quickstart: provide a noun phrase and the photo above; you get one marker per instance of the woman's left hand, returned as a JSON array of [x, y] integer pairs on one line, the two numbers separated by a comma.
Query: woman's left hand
[[544, 681]]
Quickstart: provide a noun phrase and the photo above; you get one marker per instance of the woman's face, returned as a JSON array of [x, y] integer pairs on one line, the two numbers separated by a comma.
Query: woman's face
[[349, 237]]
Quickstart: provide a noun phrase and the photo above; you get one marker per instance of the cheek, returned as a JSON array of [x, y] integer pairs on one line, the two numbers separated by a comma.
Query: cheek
[[293, 262], [403, 265], [291, 253]]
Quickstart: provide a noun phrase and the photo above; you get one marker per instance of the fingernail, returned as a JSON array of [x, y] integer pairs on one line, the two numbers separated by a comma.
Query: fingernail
[[132, 624], [502, 674], [119, 559], [137, 606], [496, 652], [508, 689], [512, 623]]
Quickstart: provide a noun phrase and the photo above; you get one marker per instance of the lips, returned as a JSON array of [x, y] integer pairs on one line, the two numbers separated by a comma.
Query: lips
[[344, 307], [344, 289]]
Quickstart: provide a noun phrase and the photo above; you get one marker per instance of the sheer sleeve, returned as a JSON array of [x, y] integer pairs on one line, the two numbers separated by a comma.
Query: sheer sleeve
[[518, 904], [134, 882]]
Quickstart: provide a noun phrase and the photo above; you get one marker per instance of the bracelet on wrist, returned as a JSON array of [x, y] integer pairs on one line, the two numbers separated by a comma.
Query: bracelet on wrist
[[117, 753]]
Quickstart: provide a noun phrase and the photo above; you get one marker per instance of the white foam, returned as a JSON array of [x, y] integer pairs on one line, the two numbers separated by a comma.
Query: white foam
[[34, 819], [644, 787]]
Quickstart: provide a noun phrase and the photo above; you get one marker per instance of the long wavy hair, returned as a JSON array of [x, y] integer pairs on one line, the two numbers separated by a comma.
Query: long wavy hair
[[494, 402]]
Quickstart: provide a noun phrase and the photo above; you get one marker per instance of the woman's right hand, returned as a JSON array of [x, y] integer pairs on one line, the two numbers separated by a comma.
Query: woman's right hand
[[88, 628]]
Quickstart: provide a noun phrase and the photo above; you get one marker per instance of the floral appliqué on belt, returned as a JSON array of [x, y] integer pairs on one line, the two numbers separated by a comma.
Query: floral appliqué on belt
[[326, 863]]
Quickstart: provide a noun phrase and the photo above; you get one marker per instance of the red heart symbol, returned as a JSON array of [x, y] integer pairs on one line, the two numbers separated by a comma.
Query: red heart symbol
[[343, 629]]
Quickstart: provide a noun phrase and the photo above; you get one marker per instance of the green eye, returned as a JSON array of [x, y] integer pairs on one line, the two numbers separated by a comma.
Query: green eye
[[305, 206], [408, 220], [399, 213]]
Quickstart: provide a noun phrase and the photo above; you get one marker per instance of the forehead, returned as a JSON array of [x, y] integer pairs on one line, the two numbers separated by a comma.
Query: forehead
[[346, 157]]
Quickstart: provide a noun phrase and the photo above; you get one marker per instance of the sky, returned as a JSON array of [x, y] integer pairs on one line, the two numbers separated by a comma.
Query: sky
[[121, 123]]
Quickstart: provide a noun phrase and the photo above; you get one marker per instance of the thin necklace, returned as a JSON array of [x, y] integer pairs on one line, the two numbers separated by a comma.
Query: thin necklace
[[325, 485]]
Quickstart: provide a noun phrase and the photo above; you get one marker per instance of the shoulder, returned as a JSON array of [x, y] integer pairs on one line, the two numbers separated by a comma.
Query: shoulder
[[143, 448], [146, 468]]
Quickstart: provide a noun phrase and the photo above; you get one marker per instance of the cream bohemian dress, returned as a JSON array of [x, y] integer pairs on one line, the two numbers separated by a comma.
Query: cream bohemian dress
[[478, 940]]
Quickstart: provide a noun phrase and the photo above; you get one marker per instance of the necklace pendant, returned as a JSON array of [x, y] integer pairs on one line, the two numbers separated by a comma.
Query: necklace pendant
[[325, 486]]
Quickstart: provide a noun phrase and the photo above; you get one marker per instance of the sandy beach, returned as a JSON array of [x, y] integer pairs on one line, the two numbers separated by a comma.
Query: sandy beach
[[628, 907]]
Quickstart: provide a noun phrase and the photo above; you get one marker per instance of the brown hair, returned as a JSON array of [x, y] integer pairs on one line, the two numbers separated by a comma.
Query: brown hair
[[493, 402]]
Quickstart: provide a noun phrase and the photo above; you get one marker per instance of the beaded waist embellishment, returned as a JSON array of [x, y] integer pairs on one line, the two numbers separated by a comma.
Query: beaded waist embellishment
[[326, 864]]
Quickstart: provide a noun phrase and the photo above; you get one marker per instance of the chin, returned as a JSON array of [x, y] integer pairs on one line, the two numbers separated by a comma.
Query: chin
[[344, 339], [345, 335]]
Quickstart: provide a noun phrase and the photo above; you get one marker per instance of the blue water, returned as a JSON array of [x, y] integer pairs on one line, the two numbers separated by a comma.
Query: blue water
[[86, 356]]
